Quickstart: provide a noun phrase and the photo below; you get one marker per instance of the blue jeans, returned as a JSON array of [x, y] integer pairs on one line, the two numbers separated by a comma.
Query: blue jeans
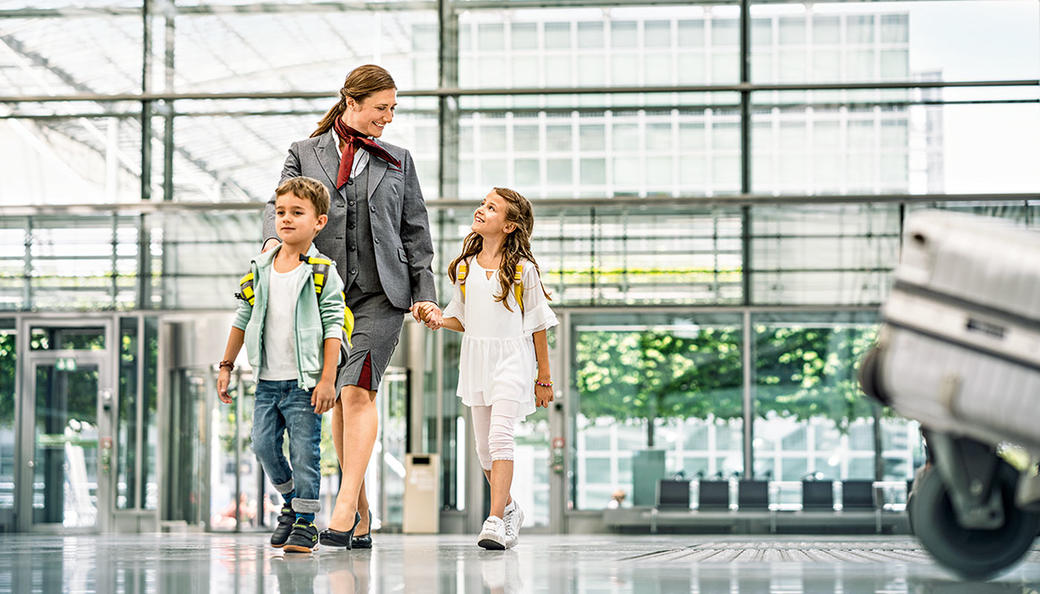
[[282, 405]]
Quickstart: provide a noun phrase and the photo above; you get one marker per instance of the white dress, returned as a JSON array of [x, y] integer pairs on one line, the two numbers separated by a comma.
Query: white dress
[[497, 359]]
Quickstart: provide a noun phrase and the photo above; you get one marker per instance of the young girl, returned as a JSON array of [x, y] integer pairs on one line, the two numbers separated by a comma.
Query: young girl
[[502, 309]]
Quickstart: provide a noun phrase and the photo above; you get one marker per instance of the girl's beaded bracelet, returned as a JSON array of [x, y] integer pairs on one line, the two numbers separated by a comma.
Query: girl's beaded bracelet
[[543, 384]]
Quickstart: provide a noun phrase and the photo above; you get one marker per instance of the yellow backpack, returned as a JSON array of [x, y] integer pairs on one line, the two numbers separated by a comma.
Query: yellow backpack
[[319, 271], [518, 282]]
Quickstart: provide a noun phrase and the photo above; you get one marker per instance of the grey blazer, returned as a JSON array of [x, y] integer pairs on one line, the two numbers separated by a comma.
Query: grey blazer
[[400, 225]]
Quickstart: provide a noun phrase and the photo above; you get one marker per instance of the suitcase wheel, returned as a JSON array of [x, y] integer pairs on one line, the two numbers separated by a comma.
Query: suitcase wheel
[[971, 553], [911, 495]]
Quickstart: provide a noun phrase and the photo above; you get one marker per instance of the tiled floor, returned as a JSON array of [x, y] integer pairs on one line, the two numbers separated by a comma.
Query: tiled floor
[[230, 564]]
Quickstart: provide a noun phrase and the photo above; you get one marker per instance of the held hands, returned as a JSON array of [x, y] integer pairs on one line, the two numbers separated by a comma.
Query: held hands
[[543, 394], [427, 312], [323, 396], [223, 379]]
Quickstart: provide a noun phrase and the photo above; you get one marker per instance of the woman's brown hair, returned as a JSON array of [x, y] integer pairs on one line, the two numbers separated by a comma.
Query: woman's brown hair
[[516, 246], [361, 82]]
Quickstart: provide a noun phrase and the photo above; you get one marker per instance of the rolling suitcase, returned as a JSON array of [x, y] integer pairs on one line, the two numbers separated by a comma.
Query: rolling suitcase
[[959, 351]]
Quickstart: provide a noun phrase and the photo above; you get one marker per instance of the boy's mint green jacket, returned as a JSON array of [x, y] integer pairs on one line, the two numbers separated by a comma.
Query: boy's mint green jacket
[[313, 323]]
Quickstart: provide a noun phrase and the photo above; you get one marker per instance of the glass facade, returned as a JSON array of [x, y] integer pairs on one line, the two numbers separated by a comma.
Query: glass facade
[[717, 240], [654, 382]]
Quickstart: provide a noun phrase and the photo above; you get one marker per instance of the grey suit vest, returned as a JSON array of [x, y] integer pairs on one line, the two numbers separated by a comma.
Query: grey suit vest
[[361, 255]]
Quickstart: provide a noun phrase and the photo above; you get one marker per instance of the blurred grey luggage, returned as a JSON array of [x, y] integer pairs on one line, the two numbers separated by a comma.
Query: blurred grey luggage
[[959, 351], [960, 346]]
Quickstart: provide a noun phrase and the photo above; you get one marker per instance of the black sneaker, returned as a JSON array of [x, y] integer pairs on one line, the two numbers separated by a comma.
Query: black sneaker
[[303, 537], [283, 528]]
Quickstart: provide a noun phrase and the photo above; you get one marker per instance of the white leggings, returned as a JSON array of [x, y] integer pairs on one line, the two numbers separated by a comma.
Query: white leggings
[[493, 431]]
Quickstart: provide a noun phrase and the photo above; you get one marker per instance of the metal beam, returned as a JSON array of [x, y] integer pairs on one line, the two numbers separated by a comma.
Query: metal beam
[[580, 109], [481, 92], [388, 6], [540, 204]]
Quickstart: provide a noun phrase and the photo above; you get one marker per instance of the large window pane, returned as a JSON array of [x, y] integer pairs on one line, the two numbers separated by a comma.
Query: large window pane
[[631, 256], [653, 382], [823, 255], [278, 50], [809, 409], [913, 39], [624, 152], [913, 149], [71, 160], [640, 50], [195, 275], [79, 54], [239, 158], [82, 262]]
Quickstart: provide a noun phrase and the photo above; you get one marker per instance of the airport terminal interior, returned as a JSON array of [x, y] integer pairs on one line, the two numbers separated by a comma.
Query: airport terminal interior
[[720, 191]]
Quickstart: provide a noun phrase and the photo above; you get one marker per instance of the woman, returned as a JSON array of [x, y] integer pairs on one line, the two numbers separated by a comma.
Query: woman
[[378, 233]]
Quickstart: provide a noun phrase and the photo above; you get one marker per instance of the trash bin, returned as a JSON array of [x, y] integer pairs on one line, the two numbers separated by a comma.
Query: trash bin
[[421, 496]]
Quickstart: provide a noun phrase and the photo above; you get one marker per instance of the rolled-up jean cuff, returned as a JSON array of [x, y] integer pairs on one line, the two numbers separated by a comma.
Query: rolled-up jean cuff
[[306, 506], [285, 487]]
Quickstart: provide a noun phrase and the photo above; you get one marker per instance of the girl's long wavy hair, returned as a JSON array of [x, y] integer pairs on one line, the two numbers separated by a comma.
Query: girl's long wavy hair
[[360, 83], [516, 246]]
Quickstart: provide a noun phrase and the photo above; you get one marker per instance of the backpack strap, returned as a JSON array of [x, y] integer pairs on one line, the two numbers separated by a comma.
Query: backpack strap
[[319, 270], [245, 289], [463, 270], [518, 285]]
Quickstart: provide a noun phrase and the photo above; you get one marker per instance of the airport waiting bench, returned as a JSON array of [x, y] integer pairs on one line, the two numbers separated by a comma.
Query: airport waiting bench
[[860, 509]]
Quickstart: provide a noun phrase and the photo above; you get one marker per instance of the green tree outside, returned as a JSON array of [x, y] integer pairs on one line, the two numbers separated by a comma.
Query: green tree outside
[[800, 372]]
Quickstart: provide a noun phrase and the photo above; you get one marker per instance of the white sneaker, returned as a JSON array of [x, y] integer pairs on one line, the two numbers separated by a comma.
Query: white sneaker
[[493, 534], [514, 519]]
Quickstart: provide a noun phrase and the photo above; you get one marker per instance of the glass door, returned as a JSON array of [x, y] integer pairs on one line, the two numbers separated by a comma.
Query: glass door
[[65, 451], [69, 457]]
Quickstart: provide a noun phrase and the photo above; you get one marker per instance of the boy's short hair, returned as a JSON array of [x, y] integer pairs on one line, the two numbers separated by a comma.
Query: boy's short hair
[[306, 188]]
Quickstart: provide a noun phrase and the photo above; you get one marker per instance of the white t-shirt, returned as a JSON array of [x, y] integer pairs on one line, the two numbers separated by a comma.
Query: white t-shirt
[[279, 362]]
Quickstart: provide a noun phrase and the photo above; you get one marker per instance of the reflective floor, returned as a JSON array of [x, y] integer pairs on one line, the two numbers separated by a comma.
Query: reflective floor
[[229, 564]]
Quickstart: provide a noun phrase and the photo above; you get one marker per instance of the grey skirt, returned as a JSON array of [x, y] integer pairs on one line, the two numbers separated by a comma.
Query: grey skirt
[[377, 330]]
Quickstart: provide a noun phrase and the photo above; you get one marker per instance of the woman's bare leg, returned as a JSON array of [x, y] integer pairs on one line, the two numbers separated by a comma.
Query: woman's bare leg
[[337, 431], [359, 428]]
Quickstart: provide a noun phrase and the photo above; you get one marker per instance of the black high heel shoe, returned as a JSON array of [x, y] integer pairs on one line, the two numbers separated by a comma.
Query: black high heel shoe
[[338, 539], [363, 541]]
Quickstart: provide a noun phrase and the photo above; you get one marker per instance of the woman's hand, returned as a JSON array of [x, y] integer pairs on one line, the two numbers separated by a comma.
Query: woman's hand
[[427, 312], [419, 308], [543, 394]]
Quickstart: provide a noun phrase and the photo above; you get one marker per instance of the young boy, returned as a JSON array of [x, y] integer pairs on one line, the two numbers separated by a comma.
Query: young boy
[[292, 335]]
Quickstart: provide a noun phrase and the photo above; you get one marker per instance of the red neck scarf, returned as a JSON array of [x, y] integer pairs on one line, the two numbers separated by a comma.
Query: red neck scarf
[[353, 140]]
